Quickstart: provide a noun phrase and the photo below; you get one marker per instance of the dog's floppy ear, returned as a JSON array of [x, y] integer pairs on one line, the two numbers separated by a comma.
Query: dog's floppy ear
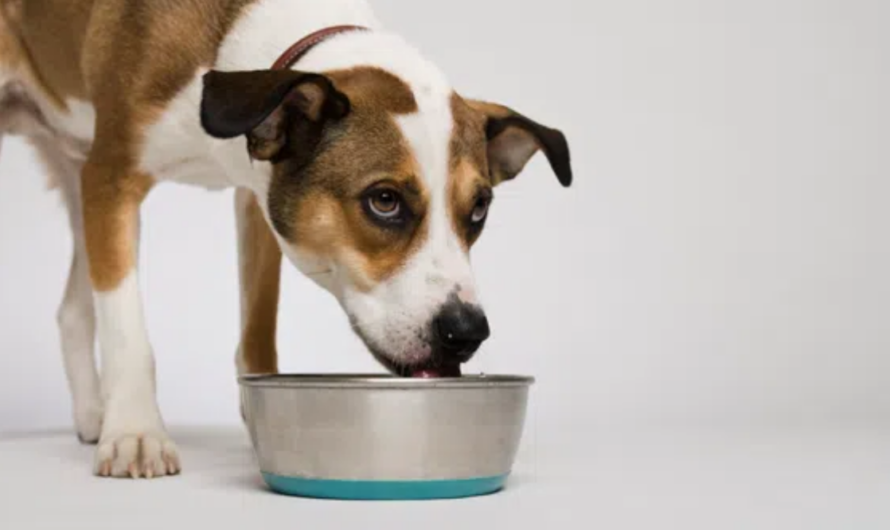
[[267, 106], [513, 140]]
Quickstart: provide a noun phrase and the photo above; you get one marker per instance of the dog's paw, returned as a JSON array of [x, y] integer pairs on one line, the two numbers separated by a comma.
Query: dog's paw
[[146, 455], [88, 423]]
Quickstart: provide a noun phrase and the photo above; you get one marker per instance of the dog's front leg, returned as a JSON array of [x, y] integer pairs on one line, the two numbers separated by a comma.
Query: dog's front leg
[[133, 440], [259, 260]]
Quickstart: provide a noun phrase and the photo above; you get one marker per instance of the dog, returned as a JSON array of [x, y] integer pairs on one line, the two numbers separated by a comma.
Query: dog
[[350, 155]]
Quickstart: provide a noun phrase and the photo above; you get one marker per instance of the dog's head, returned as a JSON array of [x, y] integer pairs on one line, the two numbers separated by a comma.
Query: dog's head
[[377, 190]]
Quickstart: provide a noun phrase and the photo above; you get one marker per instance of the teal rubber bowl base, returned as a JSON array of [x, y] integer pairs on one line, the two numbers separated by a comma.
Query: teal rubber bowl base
[[384, 489]]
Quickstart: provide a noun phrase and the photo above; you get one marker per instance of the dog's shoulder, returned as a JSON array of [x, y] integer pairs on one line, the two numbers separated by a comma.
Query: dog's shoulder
[[150, 50]]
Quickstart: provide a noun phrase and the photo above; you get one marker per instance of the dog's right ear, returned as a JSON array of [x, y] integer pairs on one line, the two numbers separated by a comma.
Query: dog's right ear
[[269, 107], [513, 139]]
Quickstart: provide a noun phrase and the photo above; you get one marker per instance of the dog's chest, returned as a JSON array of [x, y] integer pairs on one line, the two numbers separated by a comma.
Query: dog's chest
[[177, 149]]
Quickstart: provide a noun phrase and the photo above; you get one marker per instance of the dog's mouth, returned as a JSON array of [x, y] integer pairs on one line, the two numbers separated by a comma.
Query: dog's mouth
[[438, 371], [431, 369]]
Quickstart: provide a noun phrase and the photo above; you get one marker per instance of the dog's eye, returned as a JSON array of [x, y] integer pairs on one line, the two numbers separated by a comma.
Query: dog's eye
[[480, 210], [385, 203]]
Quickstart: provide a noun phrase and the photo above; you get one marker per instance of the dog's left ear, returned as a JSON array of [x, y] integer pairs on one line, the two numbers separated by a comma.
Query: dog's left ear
[[513, 140], [268, 107]]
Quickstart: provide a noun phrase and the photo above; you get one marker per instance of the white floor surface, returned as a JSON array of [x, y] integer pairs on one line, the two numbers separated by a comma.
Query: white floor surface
[[655, 480]]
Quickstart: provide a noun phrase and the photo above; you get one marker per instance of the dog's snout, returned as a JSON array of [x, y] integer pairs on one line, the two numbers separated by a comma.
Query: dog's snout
[[460, 329]]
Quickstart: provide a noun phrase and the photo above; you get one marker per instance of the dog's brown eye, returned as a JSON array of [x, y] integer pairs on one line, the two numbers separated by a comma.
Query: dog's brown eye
[[385, 203], [480, 210]]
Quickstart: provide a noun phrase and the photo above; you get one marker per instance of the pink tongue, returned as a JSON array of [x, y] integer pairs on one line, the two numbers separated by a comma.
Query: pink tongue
[[426, 374], [432, 373]]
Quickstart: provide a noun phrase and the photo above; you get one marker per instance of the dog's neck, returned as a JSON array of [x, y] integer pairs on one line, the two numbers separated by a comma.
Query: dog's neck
[[268, 28], [272, 27], [300, 48]]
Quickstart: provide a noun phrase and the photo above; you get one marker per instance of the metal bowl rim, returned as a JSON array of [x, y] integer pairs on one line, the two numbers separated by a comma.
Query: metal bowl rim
[[365, 380]]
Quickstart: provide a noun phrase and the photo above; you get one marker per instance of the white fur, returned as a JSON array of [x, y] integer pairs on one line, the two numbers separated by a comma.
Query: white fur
[[177, 148], [269, 27], [78, 122], [132, 420], [25, 111], [76, 314]]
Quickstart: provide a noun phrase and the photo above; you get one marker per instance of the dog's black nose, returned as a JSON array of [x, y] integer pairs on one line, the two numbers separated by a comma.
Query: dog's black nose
[[460, 329]]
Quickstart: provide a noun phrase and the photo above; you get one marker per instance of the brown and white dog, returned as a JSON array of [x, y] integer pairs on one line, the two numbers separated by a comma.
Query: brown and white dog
[[353, 158]]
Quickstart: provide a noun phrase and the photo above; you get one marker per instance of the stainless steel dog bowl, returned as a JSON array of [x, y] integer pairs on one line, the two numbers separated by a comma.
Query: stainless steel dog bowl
[[384, 437]]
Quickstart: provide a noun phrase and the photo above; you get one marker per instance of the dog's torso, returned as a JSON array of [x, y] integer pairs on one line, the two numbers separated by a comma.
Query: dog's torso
[[62, 59]]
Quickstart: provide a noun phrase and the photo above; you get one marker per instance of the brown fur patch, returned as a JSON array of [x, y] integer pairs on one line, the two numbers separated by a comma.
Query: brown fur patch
[[319, 206], [468, 167], [52, 32], [371, 87], [111, 201], [468, 142], [15, 57], [138, 55], [260, 273], [331, 222], [465, 184], [135, 56]]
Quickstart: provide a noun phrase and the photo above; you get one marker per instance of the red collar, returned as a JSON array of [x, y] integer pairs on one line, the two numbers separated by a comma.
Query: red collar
[[301, 47]]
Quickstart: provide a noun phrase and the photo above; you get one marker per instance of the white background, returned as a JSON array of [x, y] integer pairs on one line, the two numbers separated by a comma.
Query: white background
[[721, 260]]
